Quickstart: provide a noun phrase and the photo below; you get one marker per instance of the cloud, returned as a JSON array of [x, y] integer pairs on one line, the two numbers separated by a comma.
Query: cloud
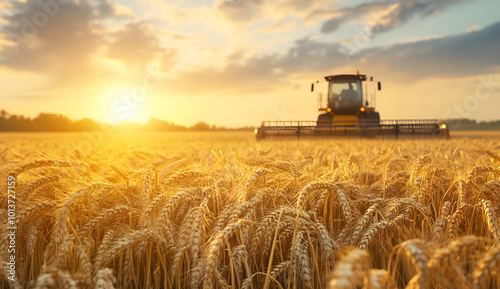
[[281, 26], [341, 16], [55, 38], [252, 76], [384, 16], [245, 13], [68, 40], [259, 73], [333, 24], [44, 35], [238, 11], [473, 28], [461, 55], [135, 44]]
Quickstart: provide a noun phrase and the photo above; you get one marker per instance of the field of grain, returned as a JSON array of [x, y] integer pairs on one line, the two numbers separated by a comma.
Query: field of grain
[[220, 210]]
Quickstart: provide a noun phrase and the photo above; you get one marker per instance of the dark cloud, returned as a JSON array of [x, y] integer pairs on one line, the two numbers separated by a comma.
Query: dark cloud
[[297, 5], [402, 14], [346, 14], [333, 24], [238, 11], [104, 8], [135, 44], [62, 38], [260, 73], [454, 56], [247, 12], [467, 54], [390, 16]]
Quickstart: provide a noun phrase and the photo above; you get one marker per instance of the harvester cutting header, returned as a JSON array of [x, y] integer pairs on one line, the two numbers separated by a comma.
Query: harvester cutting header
[[349, 110]]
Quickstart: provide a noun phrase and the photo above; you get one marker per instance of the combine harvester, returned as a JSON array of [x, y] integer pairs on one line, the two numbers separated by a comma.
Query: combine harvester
[[350, 111]]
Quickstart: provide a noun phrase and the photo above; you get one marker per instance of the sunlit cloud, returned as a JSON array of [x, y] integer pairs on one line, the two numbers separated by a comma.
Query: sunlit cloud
[[473, 28]]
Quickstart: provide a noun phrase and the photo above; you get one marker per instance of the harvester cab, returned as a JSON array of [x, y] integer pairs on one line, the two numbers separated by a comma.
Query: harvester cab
[[348, 99], [349, 110]]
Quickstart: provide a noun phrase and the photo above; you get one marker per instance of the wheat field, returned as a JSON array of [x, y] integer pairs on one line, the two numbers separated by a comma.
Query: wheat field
[[221, 210]]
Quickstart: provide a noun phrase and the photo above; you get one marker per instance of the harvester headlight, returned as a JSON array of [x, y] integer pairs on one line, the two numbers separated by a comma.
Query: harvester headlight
[[328, 109], [362, 109], [443, 126], [256, 131]]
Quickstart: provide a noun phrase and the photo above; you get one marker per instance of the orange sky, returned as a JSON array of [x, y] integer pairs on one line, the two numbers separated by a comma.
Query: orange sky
[[238, 62]]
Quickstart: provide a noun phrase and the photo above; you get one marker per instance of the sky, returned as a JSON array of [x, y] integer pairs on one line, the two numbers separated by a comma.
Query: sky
[[238, 62]]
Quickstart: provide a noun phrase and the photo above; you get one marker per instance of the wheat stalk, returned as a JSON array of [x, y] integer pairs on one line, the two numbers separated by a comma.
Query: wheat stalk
[[37, 183], [493, 156], [351, 271], [104, 279], [380, 279], [301, 264], [491, 219], [486, 266], [121, 244], [149, 185], [106, 215], [440, 225], [416, 250], [26, 212], [213, 251], [361, 224], [43, 163]]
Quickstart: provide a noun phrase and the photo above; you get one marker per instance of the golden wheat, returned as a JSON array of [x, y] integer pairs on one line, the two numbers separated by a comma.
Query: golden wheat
[[241, 214]]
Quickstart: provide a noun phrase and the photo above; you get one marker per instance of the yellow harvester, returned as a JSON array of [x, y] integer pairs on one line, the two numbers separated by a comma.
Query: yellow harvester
[[349, 110]]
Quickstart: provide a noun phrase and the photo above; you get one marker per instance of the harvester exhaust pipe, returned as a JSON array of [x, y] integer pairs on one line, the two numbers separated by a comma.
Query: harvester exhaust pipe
[[379, 85], [312, 87]]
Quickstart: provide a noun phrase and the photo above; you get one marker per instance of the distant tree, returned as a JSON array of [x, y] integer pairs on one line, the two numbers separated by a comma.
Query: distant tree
[[52, 122], [201, 126], [85, 124], [13, 123], [155, 124], [4, 114], [470, 124], [24, 124]]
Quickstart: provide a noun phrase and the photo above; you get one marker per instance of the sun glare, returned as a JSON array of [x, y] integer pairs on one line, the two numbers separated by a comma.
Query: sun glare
[[120, 107]]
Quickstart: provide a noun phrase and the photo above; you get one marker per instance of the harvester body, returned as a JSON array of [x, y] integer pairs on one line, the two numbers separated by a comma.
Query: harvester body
[[349, 110]]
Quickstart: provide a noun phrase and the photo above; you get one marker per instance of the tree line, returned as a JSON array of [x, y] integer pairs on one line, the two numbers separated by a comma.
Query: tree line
[[59, 122], [470, 124]]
